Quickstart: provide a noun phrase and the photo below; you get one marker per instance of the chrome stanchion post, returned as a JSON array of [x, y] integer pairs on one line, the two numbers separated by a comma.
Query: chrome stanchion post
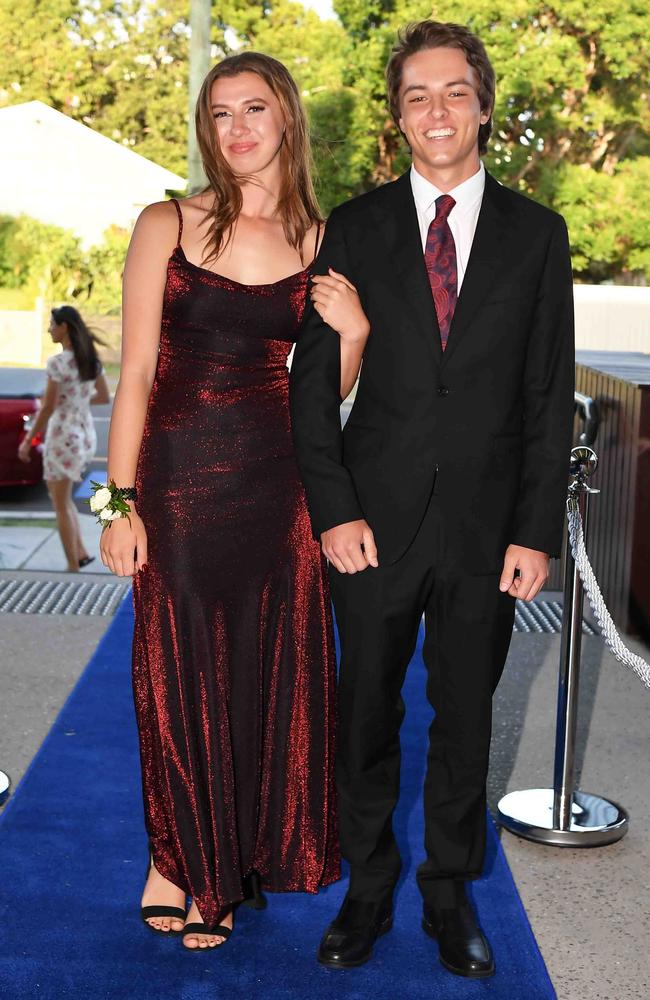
[[570, 647], [562, 815]]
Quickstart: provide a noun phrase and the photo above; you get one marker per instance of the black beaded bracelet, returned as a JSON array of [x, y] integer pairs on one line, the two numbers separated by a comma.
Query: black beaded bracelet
[[128, 493]]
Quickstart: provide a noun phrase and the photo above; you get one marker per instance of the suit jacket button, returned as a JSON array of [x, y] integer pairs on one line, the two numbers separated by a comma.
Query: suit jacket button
[[443, 390]]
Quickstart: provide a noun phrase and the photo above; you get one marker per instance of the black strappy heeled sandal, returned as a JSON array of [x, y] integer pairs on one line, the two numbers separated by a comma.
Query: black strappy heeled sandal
[[253, 895], [219, 930], [146, 912]]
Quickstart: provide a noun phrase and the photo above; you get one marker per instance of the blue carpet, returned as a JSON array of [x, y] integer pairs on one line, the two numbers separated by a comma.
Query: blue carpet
[[84, 489], [73, 856]]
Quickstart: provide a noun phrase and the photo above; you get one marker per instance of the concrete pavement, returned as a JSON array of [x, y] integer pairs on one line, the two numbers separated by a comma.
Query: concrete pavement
[[42, 658], [588, 907], [39, 548]]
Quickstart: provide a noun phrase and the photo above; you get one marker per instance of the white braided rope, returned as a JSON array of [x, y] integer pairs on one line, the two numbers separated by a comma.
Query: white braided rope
[[599, 608]]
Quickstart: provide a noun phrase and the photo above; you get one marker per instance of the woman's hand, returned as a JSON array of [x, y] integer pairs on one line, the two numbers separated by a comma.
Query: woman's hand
[[337, 302], [24, 449], [123, 545]]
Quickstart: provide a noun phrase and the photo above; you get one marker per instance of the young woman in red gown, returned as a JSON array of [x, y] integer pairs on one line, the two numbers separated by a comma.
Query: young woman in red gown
[[233, 655]]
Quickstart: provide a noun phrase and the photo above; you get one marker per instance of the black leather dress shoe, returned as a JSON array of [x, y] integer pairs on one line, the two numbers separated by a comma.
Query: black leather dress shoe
[[464, 948], [349, 939]]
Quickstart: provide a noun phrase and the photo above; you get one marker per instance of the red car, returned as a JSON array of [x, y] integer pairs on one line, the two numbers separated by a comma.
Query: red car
[[20, 392]]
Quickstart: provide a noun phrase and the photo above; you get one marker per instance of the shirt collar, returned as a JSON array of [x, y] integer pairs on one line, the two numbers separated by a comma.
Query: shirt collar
[[465, 195]]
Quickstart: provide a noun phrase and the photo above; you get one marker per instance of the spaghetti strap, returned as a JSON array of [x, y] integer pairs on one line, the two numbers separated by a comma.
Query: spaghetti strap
[[180, 221], [317, 241]]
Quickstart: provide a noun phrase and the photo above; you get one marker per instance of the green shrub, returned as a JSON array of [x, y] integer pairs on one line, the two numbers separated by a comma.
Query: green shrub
[[37, 259]]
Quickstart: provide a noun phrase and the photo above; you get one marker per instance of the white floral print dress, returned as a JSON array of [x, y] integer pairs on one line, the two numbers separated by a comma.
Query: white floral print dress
[[70, 439]]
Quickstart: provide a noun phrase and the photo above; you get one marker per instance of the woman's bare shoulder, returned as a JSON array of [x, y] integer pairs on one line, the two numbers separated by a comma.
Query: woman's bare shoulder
[[156, 230], [160, 217]]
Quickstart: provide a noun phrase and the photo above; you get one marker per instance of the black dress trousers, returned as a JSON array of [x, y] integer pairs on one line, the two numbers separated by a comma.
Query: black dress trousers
[[468, 627]]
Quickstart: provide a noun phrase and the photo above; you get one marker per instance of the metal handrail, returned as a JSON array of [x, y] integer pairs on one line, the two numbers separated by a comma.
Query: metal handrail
[[589, 412]]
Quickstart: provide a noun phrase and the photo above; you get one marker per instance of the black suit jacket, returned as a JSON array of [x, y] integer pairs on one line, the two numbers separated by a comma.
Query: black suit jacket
[[486, 424]]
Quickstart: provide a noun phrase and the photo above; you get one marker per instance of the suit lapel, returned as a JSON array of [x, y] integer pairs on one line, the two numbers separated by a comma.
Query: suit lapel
[[485, 259], [398, 222]]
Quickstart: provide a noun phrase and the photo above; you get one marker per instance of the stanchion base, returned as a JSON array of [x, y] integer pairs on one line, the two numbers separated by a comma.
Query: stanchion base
[[594, 821], [4, 786]]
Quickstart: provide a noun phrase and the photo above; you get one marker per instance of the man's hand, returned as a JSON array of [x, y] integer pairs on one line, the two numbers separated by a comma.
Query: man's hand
[[533, 572], [350, 547]]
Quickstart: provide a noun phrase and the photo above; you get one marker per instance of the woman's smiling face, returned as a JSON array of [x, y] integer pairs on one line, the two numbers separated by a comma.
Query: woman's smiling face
[[249, 122]]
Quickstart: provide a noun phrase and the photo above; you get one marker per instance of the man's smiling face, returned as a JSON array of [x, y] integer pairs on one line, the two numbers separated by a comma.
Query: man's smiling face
[[440, 115]]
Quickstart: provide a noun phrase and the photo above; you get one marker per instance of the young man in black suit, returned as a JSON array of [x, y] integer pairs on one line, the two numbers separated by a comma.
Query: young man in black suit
[[445, 492]]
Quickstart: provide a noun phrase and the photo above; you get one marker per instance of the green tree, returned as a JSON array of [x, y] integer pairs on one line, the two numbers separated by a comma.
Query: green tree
[[608, 217], [572, 117], [120, 68], [48, 261], [105, 264], [45, 259]]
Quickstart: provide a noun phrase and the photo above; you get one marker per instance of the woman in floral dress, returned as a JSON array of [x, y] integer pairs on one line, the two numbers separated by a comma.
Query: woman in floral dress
[[75, 381]]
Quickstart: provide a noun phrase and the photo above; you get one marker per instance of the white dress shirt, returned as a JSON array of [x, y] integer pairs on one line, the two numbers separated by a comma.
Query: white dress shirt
[[462, 218]]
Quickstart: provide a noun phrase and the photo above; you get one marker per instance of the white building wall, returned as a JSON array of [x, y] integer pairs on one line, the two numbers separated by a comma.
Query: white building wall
[[63, 173], [612, 317], [21, 335]]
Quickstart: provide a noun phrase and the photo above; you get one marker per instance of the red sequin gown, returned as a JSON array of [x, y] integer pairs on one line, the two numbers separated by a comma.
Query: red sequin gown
[[233, 652]]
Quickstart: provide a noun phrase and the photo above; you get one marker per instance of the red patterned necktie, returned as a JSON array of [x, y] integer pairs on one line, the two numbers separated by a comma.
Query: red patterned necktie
[[440, 260]]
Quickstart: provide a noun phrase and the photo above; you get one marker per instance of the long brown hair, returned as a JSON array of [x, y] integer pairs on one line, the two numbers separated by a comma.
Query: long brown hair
[[82, 341], [437, 35], [297, 203]]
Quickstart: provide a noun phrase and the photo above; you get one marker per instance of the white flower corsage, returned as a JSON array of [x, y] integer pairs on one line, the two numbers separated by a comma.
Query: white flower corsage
[[109, 502]]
